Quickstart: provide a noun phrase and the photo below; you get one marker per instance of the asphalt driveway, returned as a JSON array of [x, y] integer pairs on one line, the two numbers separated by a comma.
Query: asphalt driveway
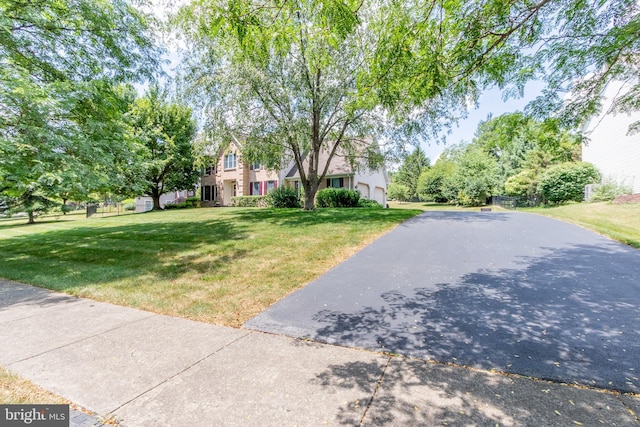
[[514, 292]]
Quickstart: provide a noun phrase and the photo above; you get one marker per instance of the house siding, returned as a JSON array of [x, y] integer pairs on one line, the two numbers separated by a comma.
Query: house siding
[[240, 177], [609, 148]]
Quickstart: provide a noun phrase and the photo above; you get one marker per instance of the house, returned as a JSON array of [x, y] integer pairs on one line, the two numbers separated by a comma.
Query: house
[[229, 176], [371, 184], [615, 153], [145, 203]]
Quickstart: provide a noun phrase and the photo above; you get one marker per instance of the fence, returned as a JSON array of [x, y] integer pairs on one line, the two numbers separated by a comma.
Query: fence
[[505, 202]]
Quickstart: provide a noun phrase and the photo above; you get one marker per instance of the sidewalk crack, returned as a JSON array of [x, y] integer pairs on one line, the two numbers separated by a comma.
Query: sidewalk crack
[[81, 339], [112, 413], [375, 391]]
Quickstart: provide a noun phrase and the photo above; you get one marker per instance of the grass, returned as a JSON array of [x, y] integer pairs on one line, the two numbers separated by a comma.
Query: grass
[[619, 222], [17, 390], [219, 266]]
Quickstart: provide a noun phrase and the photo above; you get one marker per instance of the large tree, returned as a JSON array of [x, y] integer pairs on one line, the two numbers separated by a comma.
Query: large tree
[[304, 76], [164, 132], [61, 64]]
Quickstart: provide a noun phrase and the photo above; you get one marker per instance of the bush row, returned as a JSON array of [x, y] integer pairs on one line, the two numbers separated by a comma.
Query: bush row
[[189, 203], [249, 201]]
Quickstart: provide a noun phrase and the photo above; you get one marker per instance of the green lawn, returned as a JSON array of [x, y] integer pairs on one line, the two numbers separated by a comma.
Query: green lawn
[[221, 265], [620, 222]]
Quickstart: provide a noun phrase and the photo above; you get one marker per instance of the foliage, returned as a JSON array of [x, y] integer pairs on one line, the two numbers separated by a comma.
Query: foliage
[[512, 138], [566, 181], [285, 76], [413, 166], [164, 132], [523, 184], [61, 62], [129, 206], [398, 192], [474, 179], [368, 203], [608, 190], [284, 197], [431, 181], [249, 201], [188, 203], [337, 198], [304, 77]]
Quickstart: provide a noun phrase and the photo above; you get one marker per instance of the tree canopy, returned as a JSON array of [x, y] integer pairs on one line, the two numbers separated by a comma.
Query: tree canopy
[[163, 132], [61, 64], [304, 76], [412, 167]]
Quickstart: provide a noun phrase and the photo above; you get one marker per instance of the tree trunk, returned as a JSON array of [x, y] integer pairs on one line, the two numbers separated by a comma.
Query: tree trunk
[[155, 195], [31, 218], [310, 191]]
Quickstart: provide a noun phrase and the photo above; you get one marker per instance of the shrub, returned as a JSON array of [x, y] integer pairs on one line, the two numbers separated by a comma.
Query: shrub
[[565, 182], [193, 202], [337, 198], [609, 189], [181, 205], [399, 192], [129, 206], [284, 197], [249, 201], [366, 203]]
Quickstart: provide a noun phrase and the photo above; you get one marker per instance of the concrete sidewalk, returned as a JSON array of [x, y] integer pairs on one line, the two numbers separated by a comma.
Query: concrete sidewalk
[[149, 370]]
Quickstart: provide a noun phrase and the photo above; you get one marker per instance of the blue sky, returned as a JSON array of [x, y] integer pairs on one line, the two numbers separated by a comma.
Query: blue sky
[[490, 102]]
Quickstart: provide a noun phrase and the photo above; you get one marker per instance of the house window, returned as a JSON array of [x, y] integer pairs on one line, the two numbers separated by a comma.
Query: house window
[[209, 193], [255, 166], [209, 170], [271, 185], [230, 161], [254, 188], [296, 184], [335, 183]]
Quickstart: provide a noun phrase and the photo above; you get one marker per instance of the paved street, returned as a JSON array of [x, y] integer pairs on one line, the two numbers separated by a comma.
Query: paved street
[[513, 292]]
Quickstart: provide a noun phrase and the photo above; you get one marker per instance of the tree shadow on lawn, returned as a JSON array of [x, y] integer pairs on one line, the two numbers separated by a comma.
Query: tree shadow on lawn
[[571, 316], [80, 256], [298, 217]]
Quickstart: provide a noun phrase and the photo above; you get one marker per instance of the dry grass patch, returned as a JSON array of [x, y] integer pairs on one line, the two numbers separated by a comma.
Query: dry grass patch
[[17, 390]]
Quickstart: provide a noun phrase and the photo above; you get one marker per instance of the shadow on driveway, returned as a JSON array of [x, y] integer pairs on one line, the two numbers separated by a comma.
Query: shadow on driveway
[[559, 317], [518, 293]]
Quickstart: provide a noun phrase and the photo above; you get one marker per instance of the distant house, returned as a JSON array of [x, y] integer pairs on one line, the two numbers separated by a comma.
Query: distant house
[[371, 184], [145, 204], [230, 176], [609, 148]]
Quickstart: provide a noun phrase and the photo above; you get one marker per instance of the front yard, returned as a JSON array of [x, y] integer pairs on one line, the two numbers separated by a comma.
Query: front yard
[[220, 266]]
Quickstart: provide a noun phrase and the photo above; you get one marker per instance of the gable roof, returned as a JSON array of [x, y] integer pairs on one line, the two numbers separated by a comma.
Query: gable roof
[[339, 164]]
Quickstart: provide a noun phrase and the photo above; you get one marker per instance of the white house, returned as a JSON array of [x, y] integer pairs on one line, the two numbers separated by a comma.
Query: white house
[[371, 184], [615, 153], [145, 204]]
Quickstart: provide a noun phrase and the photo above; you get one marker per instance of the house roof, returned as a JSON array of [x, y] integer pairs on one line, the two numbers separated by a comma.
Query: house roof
[[339, 165]]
